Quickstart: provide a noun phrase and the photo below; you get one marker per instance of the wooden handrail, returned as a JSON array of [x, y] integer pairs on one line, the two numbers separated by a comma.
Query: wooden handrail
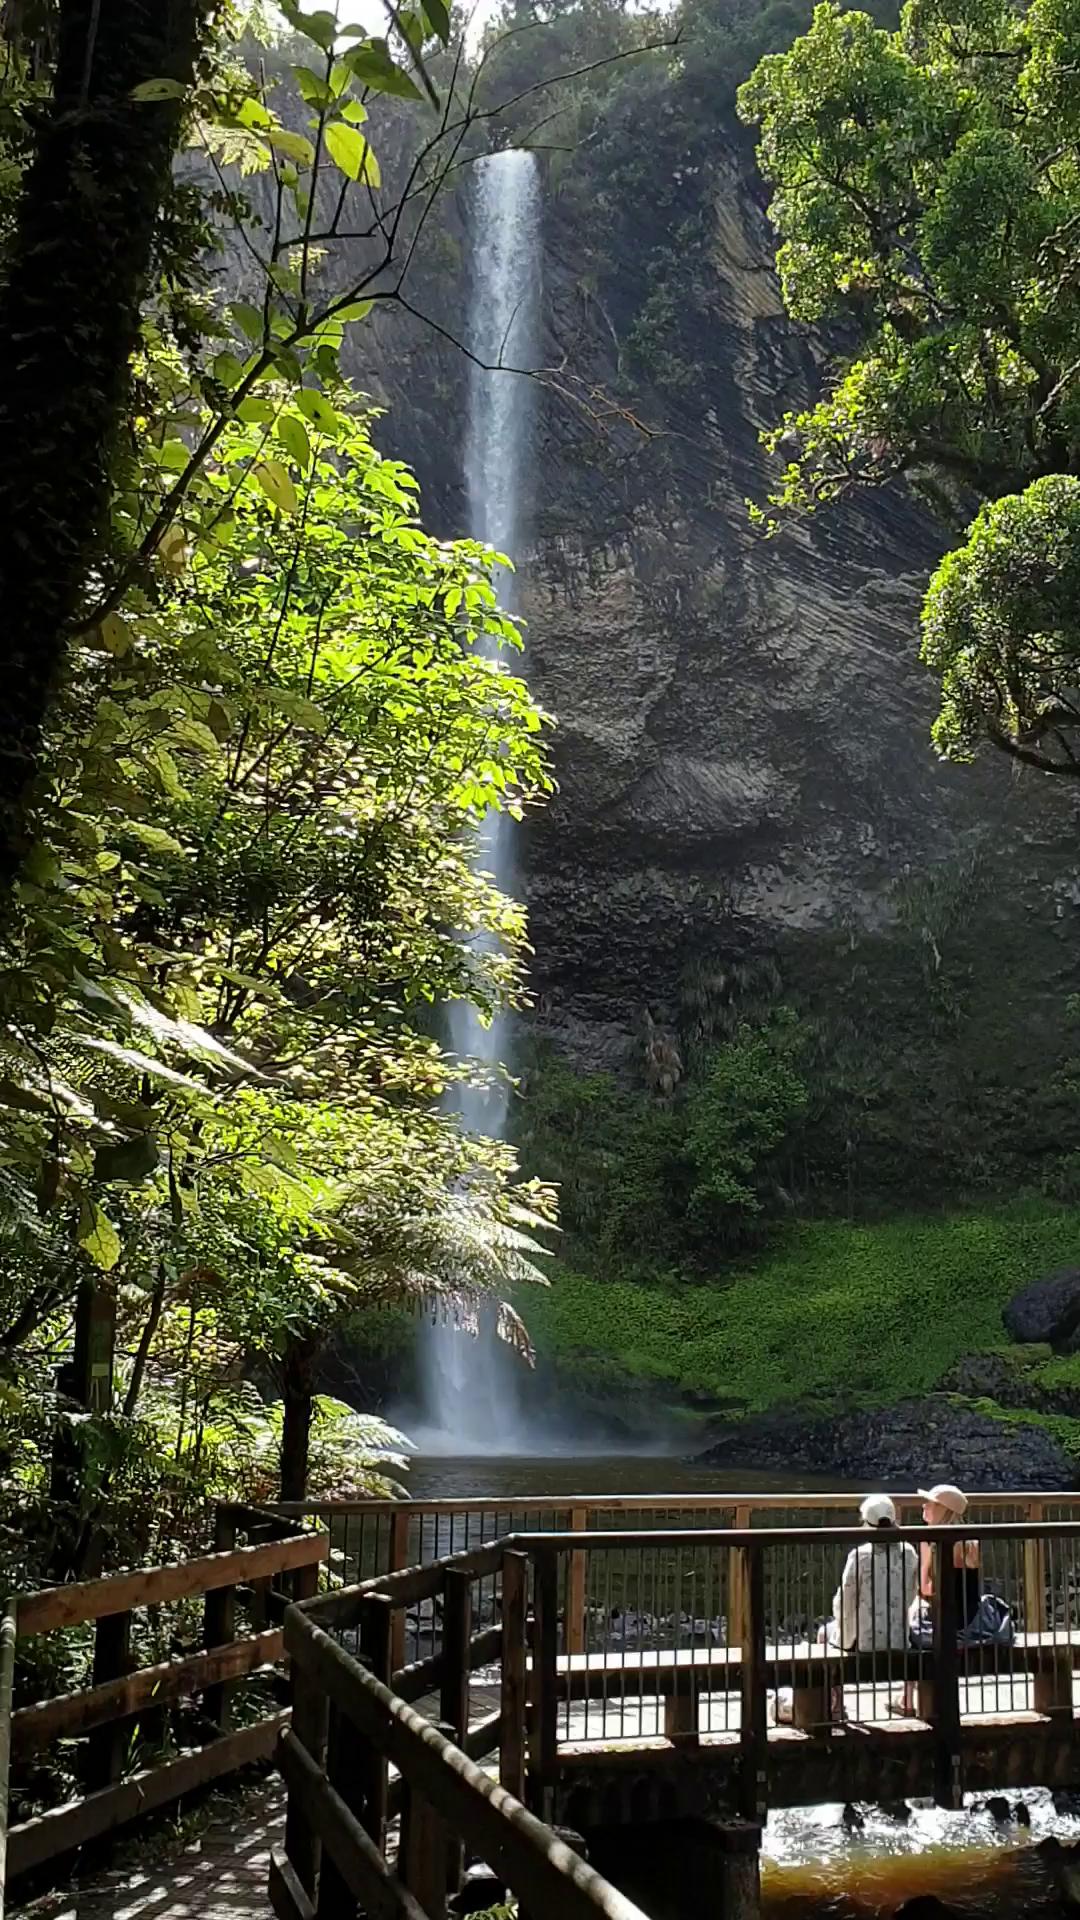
[[700, 1502], [541, 1869], [9, 1622], [608, 1539], [121, 1692], [74, 1605]]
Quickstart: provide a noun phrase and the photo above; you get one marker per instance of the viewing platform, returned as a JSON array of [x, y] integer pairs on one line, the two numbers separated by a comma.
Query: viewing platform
[[522, 1686]]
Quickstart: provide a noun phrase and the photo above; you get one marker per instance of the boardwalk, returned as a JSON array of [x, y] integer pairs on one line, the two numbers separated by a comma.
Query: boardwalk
[[587, 1679], [218, 1873]]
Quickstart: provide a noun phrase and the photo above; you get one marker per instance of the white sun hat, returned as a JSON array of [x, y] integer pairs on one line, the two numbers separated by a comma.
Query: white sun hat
[[877, 1507], [946, 1496]]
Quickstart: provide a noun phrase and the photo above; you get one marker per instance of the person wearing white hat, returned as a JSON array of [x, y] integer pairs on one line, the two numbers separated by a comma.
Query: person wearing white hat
[[944, 1506], [877, 1588]]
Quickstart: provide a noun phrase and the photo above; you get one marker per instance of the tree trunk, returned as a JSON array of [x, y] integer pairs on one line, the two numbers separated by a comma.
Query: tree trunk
[[69, 321], [298, 1390]]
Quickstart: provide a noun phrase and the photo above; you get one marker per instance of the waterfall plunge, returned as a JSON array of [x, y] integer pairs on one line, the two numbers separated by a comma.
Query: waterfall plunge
[[469, 1385]]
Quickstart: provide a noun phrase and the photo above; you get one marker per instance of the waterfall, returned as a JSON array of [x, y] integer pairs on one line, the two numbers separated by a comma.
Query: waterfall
[[470, 1384]]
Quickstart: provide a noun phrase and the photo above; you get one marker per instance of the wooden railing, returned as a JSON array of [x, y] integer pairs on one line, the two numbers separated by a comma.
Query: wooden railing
[[122, 1695], [558, 1706], [9, 1623], [370, 1538], [349, 1727], [725, 1677]]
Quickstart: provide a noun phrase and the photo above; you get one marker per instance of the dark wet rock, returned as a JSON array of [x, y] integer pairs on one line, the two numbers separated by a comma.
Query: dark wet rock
[[914, 1442], [1022, 1814], [998, 1808], [481, 1888], [852, 1818], [1067, 1802], [925, 1906], [897, 1810], [1048, 1312]]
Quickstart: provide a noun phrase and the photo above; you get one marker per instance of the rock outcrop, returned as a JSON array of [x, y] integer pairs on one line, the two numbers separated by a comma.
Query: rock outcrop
[[1047, 1312], [743, 749], [916, 1442]]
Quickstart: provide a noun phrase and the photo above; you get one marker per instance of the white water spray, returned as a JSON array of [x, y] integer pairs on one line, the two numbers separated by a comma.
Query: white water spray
[[470, 1395]]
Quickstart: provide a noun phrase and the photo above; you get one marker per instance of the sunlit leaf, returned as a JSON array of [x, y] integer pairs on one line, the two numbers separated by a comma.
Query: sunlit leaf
[[350, 151], [277, 486], [116, 636], [97, 1236], [293, 436], [162, 89]]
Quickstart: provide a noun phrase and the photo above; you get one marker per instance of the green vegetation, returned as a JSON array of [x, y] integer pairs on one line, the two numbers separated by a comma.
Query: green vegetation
[[650, 1181], [267, 715], [832, 1313], [926, 194]]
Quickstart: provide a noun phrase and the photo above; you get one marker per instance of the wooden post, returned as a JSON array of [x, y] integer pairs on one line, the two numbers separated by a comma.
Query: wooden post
[[355, 1767], [336, 1901], [515, 1601], [112, 1660], [720, 1868], [543, 1694], [681, 1712], [372, 1772], [754, 1731], [576, 1587], [1035, 1575], [736, 1594], [948, 1759], [422, 1853], [399, 1558], [219, 1619], [454, 1692], [310, 1713]]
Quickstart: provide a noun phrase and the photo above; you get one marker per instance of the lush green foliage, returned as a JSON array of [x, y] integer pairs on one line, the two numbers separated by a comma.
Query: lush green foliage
[[926, 196], [830, 1312], [285, 713], [1000, 625], [646, 1182]]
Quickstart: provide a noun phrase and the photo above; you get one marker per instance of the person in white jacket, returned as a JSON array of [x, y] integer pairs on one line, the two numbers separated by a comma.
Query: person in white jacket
[[872, 1604]]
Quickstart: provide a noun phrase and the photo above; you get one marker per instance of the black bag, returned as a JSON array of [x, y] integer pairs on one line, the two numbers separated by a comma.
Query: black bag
[[991, 1625]]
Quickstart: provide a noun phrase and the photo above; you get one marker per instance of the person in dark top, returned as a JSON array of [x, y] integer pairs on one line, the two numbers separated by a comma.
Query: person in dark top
[[944, 1506]]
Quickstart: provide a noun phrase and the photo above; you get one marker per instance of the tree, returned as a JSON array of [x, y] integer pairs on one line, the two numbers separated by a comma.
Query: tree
[[250, 883], [927, 200], [70, 316]]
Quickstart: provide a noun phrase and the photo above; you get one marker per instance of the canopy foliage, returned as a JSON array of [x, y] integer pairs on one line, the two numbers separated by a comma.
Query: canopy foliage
[[927, 203]]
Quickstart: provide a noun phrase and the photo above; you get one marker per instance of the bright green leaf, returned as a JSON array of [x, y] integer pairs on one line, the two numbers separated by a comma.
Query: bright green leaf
[[248, 318], [294, 438], [97, 1236], [318, 409], [276, 485], [162, 89], [350, 151]]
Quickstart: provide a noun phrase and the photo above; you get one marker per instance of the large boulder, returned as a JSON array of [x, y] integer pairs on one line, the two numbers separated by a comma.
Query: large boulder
[[1048, 1312]]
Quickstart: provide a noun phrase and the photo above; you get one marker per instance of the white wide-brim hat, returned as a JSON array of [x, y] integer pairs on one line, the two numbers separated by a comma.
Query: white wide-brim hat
[[948, 1497]]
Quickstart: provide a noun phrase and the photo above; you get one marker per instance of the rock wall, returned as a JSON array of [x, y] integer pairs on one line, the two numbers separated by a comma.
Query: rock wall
[[743, 747]]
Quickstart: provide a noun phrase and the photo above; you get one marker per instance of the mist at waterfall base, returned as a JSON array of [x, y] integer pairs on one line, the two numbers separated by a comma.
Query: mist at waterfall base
[[470, 1385]]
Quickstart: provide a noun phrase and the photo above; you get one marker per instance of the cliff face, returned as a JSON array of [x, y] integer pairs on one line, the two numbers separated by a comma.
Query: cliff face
[[743, 754]]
